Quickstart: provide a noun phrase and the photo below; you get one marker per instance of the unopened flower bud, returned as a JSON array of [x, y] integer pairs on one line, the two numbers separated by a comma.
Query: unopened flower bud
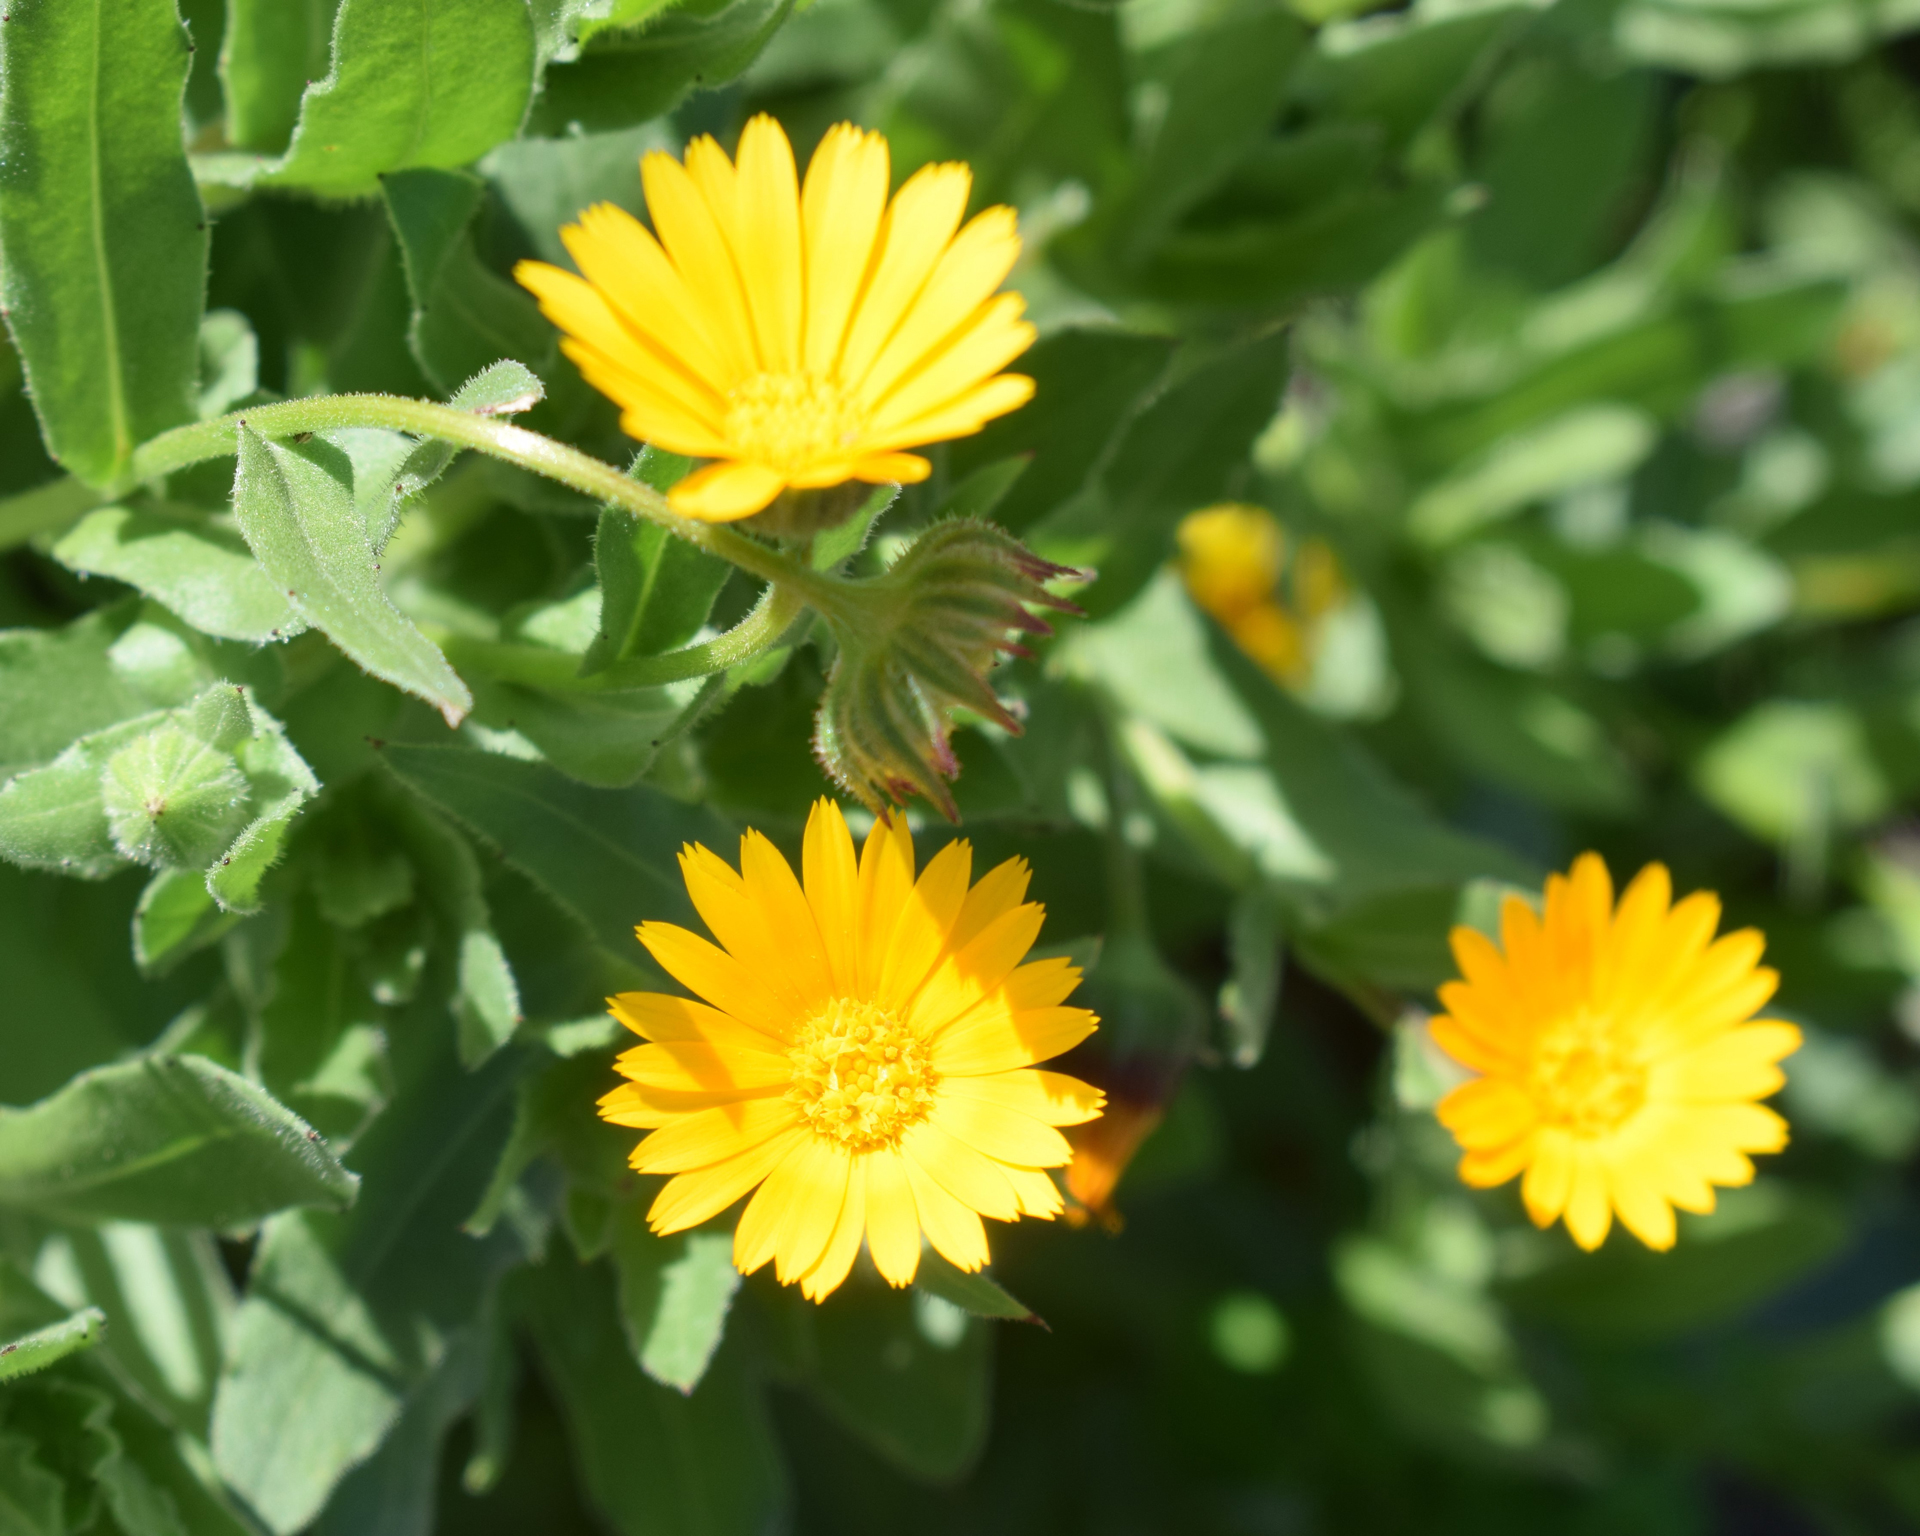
[[916, 644]]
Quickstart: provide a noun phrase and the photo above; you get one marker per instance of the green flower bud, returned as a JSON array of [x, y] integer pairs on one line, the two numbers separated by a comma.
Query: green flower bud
[[915, 645], [173, 800]]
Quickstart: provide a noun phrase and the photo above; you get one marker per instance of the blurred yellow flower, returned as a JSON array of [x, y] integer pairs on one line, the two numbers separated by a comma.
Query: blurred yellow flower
[[864, 1058], [800, 336], [1234, 559], [1620, 1055]]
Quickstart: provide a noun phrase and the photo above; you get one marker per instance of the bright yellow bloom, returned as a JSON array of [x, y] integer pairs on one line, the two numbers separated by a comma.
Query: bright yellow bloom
[[1236, 565], [800, 336], [1620, 1056], [863, 1059]]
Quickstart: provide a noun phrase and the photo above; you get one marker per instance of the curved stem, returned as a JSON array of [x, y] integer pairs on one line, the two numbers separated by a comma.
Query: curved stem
[[214, 439], [559, 671]]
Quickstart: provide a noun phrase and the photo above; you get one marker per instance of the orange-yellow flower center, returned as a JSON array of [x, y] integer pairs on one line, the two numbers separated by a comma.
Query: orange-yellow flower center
[[789, 421], [859, 1076], [1583, 1080]]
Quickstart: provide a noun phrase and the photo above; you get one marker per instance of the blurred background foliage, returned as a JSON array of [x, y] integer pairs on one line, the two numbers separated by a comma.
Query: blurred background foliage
[[1563, 361]]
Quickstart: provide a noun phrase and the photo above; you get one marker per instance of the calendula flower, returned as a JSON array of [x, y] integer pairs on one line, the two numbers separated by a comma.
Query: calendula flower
[[1272, 600], [799, 336], [1619, 1052], [862, 1061]]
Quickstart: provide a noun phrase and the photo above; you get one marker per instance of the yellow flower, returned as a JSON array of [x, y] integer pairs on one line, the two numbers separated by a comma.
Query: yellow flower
[[863, 1059], [1236, 565], [802, 337], [1619, 1052]]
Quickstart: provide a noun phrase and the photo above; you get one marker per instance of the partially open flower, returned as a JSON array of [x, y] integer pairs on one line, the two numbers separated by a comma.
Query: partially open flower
[[800, 336], [915, 645]]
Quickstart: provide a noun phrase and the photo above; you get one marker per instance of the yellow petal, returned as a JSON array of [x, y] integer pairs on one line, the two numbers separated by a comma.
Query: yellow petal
[[1588, 1212], [968, 271], [715, 975], [620, 257], [650, 413], [663, 1017], [841, 207], [1050, 1097], [1000, 1133], [968, 978], [692, 1198], [919, 223], [953, 1229], [960, 416], [712, 1135], [1549, 1181], [1740, 1064], [890, 468], [836, 1262], [968, 1175], [994, 338], [832, 880], [893, 1223], [1001, 1042], [756, 1235], [1487, 1112], [998, 892], [1039, 1196], [1488, 1168], [886, 876], [694, 239], [725, 492], [687, 1067], [767, 241], [813, 1209], [770, 886], [926, 918]]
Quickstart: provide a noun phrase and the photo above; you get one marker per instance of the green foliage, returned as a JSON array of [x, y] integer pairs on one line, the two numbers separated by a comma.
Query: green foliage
[[1584, 340]]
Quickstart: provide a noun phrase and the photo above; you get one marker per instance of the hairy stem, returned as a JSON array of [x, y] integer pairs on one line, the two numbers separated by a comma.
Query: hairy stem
[[559, 671], [214, 439]]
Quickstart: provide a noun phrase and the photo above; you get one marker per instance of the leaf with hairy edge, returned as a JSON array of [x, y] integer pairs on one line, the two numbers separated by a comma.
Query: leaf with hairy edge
[[105, 237], [427, 82], [272, 51], [608, 856], [43, 1347], [198, 569], [168, 1139], [300, 522]]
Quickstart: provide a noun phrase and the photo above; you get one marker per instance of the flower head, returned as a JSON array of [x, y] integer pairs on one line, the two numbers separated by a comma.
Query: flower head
[[863, 1059], [1619, 1054], [801, 336], [1273, 601]]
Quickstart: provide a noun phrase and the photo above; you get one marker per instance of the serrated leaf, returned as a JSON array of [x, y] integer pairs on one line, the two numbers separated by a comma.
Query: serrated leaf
[[433, 83], [301, 524], [169, 1139], [104, 233], [609, 857], [196, 568], [44, 1346]]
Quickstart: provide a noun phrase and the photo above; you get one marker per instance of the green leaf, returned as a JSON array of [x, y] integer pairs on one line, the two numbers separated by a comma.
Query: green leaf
[[1087, 385], [629, 76], [1223, 85], [655, 1462], [1255, 944], [906, 1371], [655, 590], [609, 857], [177, 917], [41, 1348], [32, 1498], [54, 817], [432, 83], [348, 1319], [57, 685], [300, 522], [281, 783], [170, 1139], [106, 241], [978, 1293], [675, 1293], [464, 315], [198, 568], [273, 50]]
